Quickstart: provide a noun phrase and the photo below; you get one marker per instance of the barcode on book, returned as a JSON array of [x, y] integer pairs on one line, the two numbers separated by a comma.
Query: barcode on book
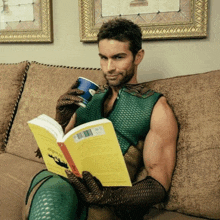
[[99, 130]]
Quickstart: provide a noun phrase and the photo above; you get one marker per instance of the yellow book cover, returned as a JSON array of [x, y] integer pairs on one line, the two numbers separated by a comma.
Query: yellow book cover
[[91, 147]]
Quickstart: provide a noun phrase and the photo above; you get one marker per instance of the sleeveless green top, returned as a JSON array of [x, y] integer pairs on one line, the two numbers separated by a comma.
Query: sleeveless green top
[[130, 115]]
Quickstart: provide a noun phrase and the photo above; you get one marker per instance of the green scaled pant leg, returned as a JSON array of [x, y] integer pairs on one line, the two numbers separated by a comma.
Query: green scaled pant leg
[[51, 196]]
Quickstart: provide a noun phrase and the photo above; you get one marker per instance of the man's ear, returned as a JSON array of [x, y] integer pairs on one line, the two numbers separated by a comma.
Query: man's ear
[[139, 57]]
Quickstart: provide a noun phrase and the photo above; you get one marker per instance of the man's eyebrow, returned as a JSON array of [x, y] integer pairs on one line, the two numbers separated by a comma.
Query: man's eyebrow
[[119, 54], [115, 55], [101, 55]]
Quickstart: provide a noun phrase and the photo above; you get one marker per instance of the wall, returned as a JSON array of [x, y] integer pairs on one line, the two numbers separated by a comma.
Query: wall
[[163, 59]]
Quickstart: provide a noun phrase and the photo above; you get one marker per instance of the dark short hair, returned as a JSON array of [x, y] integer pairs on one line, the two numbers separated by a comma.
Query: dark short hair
[[122, 30]]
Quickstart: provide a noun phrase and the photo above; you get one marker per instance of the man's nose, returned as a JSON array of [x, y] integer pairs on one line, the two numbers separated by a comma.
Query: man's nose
[[111, 66]]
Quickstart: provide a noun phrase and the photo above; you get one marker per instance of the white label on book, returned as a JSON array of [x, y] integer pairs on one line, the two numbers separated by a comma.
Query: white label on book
[[99, 130]]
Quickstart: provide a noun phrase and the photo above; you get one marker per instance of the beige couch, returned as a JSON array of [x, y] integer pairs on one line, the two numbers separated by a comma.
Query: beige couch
[[30, 89]]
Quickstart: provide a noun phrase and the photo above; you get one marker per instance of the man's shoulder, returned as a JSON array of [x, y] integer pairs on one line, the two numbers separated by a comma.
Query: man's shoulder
[[102, 89], [163, 104], [162, 111], [141, 90]]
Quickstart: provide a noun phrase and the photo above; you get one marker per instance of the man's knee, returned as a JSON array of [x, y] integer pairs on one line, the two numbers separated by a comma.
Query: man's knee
[[51, 196]]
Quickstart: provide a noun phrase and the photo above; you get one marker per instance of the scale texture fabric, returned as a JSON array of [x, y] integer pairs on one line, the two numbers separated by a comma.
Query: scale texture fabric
[[54, 199], [130, 115]]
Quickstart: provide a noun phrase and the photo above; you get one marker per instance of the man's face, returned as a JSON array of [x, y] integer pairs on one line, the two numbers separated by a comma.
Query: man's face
[[117, 62]]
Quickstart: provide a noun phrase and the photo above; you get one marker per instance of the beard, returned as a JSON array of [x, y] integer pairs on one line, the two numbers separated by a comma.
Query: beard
[[121, 78]]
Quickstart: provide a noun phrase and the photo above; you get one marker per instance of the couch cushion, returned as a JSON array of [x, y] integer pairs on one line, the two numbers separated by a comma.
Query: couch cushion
[[44, 85], [12, 77], [155, 214], [195, 100], [16, 174]]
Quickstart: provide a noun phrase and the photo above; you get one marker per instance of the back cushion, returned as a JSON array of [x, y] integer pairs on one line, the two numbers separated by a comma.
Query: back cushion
[[12, 78], [44, 85], [195, 101]]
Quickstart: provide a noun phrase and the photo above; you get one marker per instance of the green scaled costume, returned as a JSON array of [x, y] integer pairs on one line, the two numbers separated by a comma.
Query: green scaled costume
[[52, 197], [130, 115]]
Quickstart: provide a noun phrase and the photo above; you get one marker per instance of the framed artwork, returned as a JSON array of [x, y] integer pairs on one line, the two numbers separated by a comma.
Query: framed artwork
[[158, 19], [26, 21]]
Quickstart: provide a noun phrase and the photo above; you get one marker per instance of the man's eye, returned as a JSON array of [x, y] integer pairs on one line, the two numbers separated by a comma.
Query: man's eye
[[118, 57], [103, 58]]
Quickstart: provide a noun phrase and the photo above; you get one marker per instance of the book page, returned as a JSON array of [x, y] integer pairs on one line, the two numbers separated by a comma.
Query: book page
[[96, 149], [53, 129], [51, 152], [53, 122]]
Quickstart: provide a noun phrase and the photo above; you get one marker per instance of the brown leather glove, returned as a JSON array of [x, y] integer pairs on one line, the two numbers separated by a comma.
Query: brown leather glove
[[144, 193], [66, 106]]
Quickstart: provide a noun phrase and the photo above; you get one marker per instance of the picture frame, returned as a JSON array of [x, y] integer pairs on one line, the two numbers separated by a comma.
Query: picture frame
[[30, 22], [189, 22]]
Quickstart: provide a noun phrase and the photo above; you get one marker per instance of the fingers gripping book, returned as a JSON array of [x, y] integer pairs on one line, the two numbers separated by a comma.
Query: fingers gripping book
[[91, 147]]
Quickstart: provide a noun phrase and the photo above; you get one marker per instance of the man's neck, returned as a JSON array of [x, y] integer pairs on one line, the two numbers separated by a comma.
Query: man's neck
[[115, 89]]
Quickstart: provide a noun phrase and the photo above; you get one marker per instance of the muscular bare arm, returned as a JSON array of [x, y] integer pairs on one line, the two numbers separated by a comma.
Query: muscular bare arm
[[159, 158], [160, 144]]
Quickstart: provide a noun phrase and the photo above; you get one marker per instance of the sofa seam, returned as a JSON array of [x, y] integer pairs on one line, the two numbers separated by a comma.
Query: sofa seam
[[14, 111], [25, 158], [67, 67], [25, 61]]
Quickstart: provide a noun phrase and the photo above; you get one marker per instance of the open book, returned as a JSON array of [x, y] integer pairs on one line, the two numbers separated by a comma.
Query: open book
[[91, 147]]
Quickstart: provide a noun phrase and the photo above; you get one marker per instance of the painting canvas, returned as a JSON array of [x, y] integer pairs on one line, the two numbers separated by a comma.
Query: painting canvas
[[25, 21], [130, 7]]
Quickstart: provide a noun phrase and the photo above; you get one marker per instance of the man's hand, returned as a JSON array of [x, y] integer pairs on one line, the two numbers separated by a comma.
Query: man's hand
[[90, 188], [67, 104], [142, 194], [38, 153]]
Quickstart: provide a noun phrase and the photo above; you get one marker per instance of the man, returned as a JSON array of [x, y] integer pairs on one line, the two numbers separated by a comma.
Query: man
[[145, 126]]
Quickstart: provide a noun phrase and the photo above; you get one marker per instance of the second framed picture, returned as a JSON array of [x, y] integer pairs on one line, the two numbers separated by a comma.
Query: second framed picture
[[158, 19]]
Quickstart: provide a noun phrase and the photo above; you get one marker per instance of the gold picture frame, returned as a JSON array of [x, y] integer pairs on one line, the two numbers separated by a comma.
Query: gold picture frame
[[189, 22], [36, 30]]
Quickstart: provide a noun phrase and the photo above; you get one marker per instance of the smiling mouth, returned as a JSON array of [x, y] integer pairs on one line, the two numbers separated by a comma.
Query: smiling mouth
[[111, 76]]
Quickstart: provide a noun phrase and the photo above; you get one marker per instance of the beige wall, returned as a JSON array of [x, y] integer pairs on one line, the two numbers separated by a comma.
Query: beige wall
[[162, 58]]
